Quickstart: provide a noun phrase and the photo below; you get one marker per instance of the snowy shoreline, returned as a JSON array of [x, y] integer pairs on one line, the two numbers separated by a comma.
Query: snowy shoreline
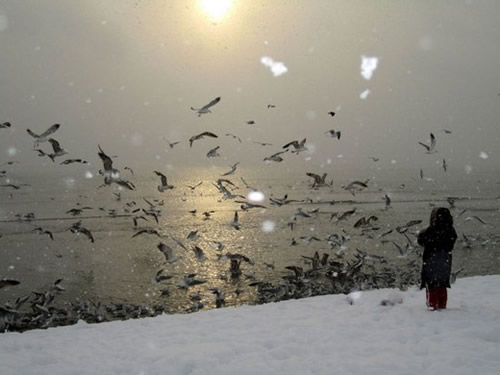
[[338, 334]]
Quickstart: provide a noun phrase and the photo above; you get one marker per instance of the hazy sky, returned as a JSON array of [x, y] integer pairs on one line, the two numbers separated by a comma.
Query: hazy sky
[[124, 74]]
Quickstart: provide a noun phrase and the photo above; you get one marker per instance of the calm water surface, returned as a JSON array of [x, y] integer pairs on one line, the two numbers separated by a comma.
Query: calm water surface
[[119, 268]]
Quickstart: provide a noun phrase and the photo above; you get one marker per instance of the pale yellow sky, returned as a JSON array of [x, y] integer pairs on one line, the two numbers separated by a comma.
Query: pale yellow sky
[[124, 74]]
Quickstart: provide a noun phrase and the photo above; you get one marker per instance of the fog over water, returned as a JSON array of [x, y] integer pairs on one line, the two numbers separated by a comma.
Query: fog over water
[[366, 84]]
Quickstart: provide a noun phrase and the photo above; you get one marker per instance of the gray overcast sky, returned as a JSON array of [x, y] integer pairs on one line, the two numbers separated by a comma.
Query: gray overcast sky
[[124, 74]]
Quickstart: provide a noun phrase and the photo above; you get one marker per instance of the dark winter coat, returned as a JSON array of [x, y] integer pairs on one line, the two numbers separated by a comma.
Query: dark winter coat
[[438, 243]]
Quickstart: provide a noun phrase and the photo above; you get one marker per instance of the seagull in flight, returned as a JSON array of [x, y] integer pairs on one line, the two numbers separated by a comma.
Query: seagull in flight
[[111, 174], [275, 157], [40, 138], [58, 151], [206, 108], [334, 134], [200, 136], [233, 169], [168, 252], [71, 161], [77, 229], [192, 187], [5, 125], [164, 184], [431, 148], [213, 152], [171, 144], [234, 136], [331, 113], [298, 146]]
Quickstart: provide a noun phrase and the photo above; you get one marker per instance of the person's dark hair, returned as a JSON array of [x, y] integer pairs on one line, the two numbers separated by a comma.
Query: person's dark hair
[[441, 218]]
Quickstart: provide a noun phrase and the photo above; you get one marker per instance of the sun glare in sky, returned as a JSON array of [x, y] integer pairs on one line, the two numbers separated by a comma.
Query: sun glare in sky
[[216, 9]]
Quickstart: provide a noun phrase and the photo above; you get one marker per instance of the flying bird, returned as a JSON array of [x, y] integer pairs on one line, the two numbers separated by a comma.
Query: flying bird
[[200, 136], [71, 161], [331, 113], [8, 282], [206, 108], [233, 169], [234, 136], [235, 223], [275, 157], [163, 185], [171, 144], [77, 229], [251, 122], [192, 187], [213, 152], [333, 134], [5, 125], [319, 181], [431, 148], [168, 252], [298, 146], [40, 138], [58, 150]]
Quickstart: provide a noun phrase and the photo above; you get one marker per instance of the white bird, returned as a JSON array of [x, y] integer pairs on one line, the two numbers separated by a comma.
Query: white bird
[[206, 108], [111, 174], [40, 138], [58, 151], [163, 185]]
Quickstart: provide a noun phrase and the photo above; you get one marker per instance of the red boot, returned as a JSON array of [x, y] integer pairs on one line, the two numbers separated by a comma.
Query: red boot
[[443, 298], [432, 296]]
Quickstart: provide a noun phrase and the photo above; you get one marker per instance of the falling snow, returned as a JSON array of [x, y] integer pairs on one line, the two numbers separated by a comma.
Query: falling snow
[[368, 66], [277, 68], [268, 226]]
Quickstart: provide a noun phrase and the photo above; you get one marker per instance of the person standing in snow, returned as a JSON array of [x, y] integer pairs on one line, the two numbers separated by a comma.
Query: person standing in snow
[[438, 240]]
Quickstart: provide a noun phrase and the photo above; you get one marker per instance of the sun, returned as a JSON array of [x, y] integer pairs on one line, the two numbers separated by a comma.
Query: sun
[[216, 9]]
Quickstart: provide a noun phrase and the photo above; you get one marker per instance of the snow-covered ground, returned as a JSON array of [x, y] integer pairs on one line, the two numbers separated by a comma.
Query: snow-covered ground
[[333, 334]]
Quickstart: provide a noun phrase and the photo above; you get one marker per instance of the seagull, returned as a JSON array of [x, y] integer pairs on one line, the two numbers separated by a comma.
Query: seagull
[[234, 136], [251, 122], [164, 185], [233, 169], [111, 174], [247, 205], [71, 161], [403, 253], [5, 125], [355, 186], [147, 231], [190, 280], [206, 108], [319, 181], [445, 166], [213, 152], [58, 151], [275, 157], [468, 218], [235, 223], [198, 252], [374, 158], [171, 144], [168, 252], [194, 186], [430, 148], [298, 146], [404, 228], [130, 170], [263, 143], [193, 235], [200, 136], [161, 277], [334, 134], [331, 113], [77, 229], [43, 137], [446, 131], [8, 282], [271, 106]]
